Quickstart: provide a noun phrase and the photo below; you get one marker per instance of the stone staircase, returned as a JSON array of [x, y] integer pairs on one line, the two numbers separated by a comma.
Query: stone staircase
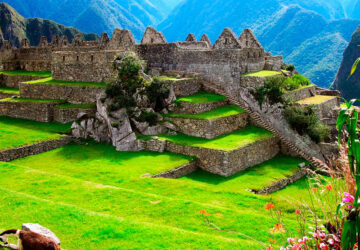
[[44, 99], [218, 134]]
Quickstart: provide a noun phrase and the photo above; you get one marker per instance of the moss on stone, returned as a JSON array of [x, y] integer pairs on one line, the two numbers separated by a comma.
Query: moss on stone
[[263, 73], [29, 100], [224, 111], [229, 142], [26, 73], [314, 100], [202, 98], [7, 90], [50, 81], [75, 106]]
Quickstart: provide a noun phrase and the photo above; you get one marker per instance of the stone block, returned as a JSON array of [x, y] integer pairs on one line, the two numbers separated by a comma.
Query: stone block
[[65, 115], [70, 93], [197, 108], [300, 94], [210, 129]]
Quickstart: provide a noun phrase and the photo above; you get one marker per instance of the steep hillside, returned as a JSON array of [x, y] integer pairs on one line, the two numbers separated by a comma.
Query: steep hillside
[[300, 35], [97, 16], [349, 87], [14, 27]]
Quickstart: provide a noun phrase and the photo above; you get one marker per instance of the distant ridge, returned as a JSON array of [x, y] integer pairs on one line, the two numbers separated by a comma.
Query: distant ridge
[[14, 27]]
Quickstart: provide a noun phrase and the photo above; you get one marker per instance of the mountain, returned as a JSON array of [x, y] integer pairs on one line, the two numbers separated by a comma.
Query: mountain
[[313, 42], [97, 16], [14, 27], [349, 86]]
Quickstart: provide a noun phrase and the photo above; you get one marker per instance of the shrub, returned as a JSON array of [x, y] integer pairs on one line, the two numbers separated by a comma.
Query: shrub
[[148, 117], [272, 89], [305, 121], [157, 91], [290, 67]]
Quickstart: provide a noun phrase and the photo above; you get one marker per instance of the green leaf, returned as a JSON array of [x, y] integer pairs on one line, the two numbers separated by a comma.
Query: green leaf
[[353, 68], [348, 236]]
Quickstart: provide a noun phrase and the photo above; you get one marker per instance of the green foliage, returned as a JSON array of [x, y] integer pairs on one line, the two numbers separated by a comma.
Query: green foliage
[[354, 67], [157, 91], [275, 87], [202, 98], [348, 118], [223, 111], [290, 67], [148, 117], [305, 121]]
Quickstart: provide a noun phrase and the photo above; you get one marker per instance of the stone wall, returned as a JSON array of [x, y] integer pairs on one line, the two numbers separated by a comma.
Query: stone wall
[[229, 163], [14, 81], [273, 63], [37, 148], [71, 94], [29, 59], [41, 112], [179, 172], [185, 86], [65, 115], [210, 129], [300, 94], [197, 108]]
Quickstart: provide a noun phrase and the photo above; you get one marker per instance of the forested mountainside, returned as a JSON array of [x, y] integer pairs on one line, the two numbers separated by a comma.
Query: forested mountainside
[[313, 42], [97, 16], [349, 86], [14, 27]]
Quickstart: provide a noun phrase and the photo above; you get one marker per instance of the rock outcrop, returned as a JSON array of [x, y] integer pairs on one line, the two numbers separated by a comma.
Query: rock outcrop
[[349, 86]]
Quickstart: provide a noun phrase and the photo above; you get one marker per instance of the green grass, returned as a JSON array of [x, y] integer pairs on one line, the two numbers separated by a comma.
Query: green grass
[[221, 112], [26, 73], [18, 132], [93, 197], [229, 142], [29, 100], [202, 98], [263, 73], [7, 90], [50, 81], [76, 106], [318, 99]]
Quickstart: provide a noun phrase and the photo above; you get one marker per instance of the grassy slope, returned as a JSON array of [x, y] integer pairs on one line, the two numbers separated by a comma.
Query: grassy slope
[[93, 188], [318, 99], [227, 142], [27, 100], [17, 132], [224, 111], [202, 98], [8, 90], [76, 106], [50, 81], [26, 73], [263, 73]]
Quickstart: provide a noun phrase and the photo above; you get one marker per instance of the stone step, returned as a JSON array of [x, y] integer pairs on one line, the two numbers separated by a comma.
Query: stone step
[[65, 113], [211, 124], [225, 155], [182, 86], [327, 106], [30, 109], [72, 92], [300, 94], [199, 103], [12, 79], [6, 92]]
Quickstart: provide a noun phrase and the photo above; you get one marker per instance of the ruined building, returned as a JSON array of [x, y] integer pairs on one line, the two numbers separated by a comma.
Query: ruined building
[[220, 68]]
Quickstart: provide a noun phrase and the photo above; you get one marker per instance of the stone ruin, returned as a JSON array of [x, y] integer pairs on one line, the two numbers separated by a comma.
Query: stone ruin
[[220, 66]]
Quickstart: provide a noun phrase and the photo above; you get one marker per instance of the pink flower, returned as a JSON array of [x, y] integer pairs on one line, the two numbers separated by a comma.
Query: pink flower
[[291, 240], [322, 235], [301, 241], [323, 246], [315, 235], [331, 241], [305, 238], [348, 198]]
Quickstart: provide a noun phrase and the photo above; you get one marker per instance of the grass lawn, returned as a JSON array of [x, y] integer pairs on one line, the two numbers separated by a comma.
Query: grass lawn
[[229, 142], [27, 100], [18, 132], [7, 90], [50, 81], [93, 197], [76, 106], [202, 98], [263, 73], [224, 111], [318, 99], [26, 73]]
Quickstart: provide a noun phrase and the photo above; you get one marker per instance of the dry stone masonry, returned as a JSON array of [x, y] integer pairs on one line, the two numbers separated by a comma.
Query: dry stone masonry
[[188, 67]]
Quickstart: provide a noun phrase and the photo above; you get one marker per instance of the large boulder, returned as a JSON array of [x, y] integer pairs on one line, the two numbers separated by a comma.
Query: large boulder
[[37, 228]]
